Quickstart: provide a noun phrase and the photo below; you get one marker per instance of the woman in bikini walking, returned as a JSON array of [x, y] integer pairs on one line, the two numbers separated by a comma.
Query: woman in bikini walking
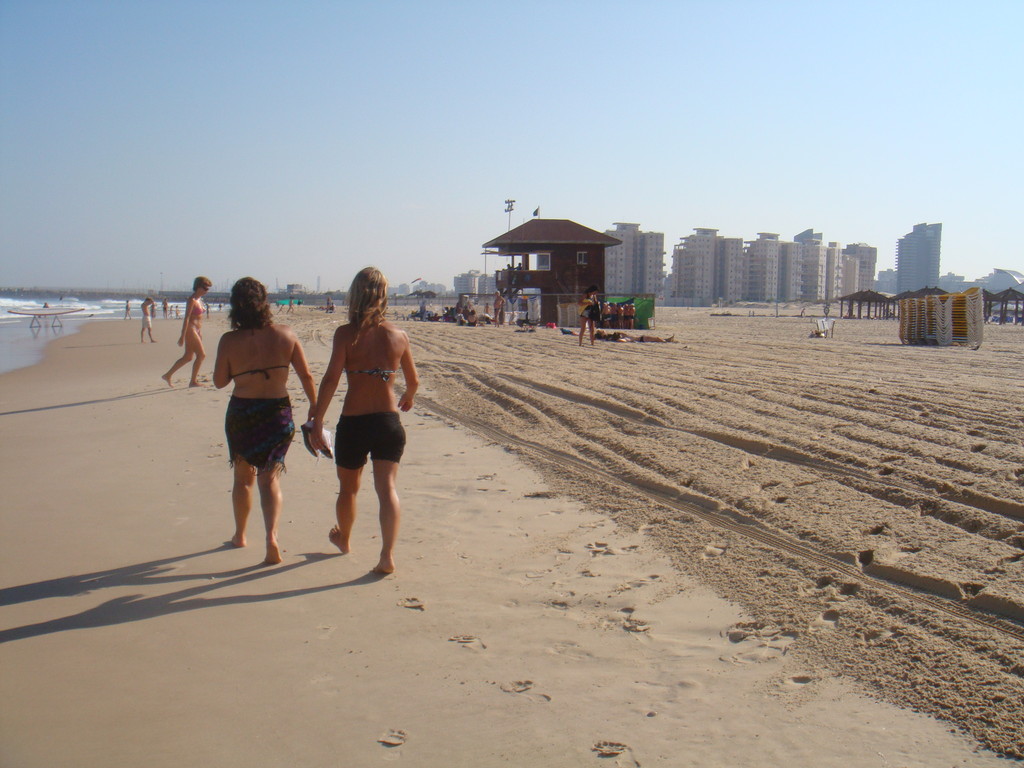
[[369, 351], [192, 333], [256, 355]]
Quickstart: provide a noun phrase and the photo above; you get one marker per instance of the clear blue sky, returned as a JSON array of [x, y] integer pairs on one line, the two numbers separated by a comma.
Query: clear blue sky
[[304, 139]]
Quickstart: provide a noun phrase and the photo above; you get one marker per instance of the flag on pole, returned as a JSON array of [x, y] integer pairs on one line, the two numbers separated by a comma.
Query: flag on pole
[[537, 212]]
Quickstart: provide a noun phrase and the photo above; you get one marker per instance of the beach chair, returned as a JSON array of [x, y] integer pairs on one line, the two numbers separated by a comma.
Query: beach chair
[[824, 327]]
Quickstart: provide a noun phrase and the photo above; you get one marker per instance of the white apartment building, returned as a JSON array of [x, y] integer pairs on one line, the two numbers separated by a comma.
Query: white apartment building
[[790, 271], [638, 264], [474, 281], [708, 267], [762, 278]]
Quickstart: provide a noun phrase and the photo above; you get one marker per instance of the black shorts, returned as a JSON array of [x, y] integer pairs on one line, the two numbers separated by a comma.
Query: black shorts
[[380, 435]]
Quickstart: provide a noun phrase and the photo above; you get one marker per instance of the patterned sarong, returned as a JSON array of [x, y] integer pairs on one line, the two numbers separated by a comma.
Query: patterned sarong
[[259, 430]]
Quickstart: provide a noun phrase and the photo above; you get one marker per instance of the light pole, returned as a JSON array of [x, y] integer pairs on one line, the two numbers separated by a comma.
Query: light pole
[[509, 206]]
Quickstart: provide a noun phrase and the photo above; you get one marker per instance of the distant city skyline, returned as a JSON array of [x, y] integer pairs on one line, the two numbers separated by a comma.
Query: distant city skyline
[[151, 142]]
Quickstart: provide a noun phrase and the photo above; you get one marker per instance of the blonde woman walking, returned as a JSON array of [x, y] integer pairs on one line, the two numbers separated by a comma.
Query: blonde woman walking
[[369, 351]]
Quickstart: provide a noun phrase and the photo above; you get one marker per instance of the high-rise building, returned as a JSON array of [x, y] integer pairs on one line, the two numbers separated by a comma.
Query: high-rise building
[[762, 278], [866, 257], [917, 258], [638, 264], [790, 271], [474, 282], [693, 268], [708, 267]]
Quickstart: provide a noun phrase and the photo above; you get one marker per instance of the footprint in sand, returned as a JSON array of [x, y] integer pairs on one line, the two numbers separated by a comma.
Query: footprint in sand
[[759, 642], [757, 655], [517, 686], [393, 738], [570, 650], [635, 625], [797, 682], [596, 548], [521, 687], [621, 752], [412, 602], [635, 584], [713, 550], [827, 620], [468, 641], [873, 637]]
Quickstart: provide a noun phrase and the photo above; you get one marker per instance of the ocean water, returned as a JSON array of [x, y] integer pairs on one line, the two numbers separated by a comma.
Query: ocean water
[[22, 346]]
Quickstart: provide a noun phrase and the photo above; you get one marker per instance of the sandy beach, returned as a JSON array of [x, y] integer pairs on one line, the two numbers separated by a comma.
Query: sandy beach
[[745, 548]]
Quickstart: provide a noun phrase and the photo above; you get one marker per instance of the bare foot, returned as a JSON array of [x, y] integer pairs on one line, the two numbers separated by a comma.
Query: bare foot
[[194, 384], [238, 540], [334, 535], [167, 377], [273, 554], [386, 565]]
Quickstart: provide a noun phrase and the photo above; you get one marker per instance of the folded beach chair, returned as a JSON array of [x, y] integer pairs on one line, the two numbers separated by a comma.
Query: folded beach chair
[[824, 327]]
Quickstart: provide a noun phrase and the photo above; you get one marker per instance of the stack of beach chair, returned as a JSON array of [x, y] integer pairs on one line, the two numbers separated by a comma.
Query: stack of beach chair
[[944, 320]]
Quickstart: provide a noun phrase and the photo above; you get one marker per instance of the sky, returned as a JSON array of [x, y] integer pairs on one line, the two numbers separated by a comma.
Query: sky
[[145, 143]]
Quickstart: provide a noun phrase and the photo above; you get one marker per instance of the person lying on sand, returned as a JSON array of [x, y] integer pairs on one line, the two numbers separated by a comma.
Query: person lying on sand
[[624, 337]]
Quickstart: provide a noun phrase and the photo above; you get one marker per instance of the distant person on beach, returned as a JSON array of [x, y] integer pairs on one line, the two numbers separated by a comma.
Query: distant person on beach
[[628, 315], [590, 313], [166, 306], [128, 310], [499, 308], [192, 333], [603, 335], [256, 355], [621, 336], [369, 350], [148, 311]]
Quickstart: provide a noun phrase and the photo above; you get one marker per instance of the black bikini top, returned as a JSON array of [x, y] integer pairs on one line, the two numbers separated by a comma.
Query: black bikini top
[[264, 371]]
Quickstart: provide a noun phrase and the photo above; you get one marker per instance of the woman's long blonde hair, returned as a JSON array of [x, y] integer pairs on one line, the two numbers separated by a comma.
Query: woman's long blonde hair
[[367, 299]]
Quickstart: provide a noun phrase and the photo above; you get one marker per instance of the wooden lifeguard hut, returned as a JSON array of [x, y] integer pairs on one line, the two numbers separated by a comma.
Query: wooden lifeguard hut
[[555, 259]]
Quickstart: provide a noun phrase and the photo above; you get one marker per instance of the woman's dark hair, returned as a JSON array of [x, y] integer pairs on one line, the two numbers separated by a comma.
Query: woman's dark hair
[[249, 307], [591, 289]]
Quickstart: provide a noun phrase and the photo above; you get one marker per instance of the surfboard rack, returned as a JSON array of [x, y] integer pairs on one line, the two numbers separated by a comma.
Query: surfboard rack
[[35, 314]]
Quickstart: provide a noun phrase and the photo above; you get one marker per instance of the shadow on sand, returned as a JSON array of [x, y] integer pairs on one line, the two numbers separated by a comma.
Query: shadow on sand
[[121, 610], [129, 396]]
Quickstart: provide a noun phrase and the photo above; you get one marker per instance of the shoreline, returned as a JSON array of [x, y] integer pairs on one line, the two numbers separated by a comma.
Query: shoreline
[[517, 607]]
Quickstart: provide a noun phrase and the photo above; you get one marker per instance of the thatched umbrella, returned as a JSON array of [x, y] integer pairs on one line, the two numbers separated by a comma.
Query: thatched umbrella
[[878, 304]]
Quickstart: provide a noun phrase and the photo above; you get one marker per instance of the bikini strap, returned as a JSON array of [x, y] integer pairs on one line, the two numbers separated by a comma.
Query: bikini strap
[[264, 371], [383, 373]]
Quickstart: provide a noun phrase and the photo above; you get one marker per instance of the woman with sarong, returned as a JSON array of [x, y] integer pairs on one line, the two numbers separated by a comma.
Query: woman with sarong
[[256, 355], [369, 351]]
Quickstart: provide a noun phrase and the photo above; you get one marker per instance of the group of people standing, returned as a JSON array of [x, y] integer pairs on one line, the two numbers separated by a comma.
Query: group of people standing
[[258, 355], [597, 316]]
